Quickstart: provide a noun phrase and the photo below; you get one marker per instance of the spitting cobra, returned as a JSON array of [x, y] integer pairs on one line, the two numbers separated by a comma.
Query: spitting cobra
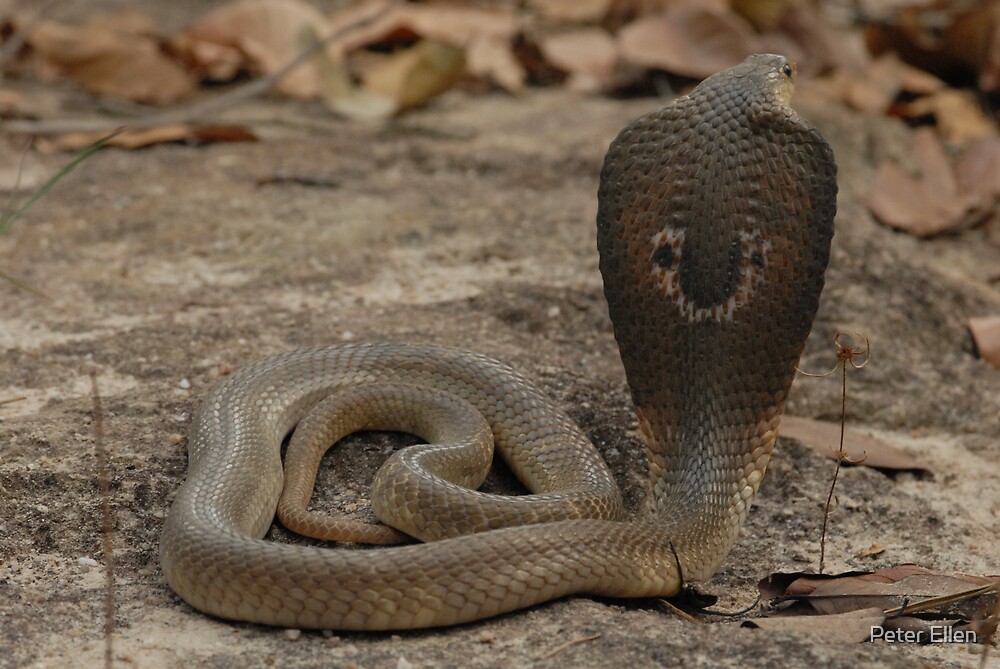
[[714, 225]]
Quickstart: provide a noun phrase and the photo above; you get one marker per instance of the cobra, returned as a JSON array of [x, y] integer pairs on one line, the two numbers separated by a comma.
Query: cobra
[[714, 225]]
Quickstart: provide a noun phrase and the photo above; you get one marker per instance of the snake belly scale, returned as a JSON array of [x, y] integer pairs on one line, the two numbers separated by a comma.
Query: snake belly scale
[[715, 218]]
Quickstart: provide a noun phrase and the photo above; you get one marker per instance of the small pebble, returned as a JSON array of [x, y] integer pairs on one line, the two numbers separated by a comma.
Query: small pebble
[[292, 634], [403, 663], [487, 637], [185, 384], [86, 563]]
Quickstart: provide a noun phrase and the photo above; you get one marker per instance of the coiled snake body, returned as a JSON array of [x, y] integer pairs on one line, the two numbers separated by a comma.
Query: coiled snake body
[[714, 225]]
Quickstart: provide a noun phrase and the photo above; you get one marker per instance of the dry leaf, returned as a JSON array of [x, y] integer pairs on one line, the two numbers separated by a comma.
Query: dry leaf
[[589, 56], [824, 438], [958, 114], [341, 95], [109, 61], [885, 588], [572, 11], [259, 35], [978, 169], [449, 24], [871, 551], [412, 76], [986, 335], [928, 204], [136, 139], [876, 87], [491, 58], [848, 627], [691, 38]]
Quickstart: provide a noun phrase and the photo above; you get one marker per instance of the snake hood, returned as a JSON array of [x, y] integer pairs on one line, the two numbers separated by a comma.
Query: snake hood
[[715, 219]]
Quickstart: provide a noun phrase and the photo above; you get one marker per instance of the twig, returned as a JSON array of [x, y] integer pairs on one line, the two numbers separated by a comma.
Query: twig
[[988, 626], [845, 355], [11, 400], [935, 602], [197, 111], [572, 642], [106, 528], [680, 613]]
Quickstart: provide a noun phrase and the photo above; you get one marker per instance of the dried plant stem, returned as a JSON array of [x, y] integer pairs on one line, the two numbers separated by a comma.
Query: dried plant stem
[[106, 527], [572, 642], [845, 356], [836, 470]]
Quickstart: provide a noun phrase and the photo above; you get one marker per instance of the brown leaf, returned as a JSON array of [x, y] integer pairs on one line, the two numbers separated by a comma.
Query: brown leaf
[[691, 38], [588, 55], [491, 58], [986, 335], [137, 139], [848, 627], [449, 24], [959, 115], [412, 76], [871, 551], [883, 588], [978, 170], [824, 438], [875, 88], [924, 205], [113, 61], [259, 35], [572, 11]]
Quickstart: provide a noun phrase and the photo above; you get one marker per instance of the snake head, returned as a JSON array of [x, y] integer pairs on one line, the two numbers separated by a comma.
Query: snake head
[[771, 75]]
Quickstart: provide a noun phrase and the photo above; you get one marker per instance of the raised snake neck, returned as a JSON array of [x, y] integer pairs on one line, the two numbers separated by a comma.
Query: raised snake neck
[[714, 226]]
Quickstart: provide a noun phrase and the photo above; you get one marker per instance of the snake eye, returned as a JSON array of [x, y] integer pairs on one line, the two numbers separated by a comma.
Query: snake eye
[[787, 70]]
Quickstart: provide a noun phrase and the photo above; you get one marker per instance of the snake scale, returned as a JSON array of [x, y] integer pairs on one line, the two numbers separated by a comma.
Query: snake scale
[[714, 225]]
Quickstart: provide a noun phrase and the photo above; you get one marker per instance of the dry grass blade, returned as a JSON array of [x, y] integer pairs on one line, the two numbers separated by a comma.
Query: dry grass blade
[[935, 602], [572, 642], [106, 528]]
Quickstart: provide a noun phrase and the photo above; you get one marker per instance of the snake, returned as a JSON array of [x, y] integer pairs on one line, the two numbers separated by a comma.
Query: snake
[[714, 226]]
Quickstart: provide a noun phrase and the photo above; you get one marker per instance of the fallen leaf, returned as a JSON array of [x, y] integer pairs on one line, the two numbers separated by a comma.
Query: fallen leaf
[[848, 627], [927, 204], [258, 35], [875, 88], [343, 96], [112, 61], [140, 138], [973, 38], [491, 58], [449, 24], [986, 335], [588, 55], [871, 551], [690, 38], [978, 169], [958, 114], [824, 438], [572, 11], [412, 76], [883, 588]]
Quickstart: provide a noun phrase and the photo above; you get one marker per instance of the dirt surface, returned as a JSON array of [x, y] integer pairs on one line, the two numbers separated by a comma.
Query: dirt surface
[[469, 223]]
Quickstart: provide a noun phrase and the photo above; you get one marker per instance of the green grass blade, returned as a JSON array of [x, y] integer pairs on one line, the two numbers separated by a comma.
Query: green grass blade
[[9, 218]]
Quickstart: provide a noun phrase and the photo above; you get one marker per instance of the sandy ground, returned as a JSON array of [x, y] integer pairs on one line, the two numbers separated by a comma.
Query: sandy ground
[[469, 223]]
